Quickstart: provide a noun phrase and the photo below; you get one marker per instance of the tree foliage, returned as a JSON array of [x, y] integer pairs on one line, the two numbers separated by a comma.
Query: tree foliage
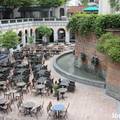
[[115, 4], [82, 23], [110, 45], [87, 23], [104, 22], [17, 3], [44, 3], [9, 40], [44, 30], [51, 3], [84, 2]]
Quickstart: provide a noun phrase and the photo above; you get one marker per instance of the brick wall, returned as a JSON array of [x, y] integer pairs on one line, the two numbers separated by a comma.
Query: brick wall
[[88, 46]]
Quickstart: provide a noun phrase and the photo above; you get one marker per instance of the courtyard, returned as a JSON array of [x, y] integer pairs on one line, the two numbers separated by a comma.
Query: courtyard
[[86, 102]]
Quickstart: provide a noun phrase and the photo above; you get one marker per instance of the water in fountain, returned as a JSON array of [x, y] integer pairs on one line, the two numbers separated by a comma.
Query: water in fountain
[[75, 66]]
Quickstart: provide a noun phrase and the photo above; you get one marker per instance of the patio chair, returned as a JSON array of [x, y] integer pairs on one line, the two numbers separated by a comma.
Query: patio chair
[[51, 115], [4, 108], [64, 114]]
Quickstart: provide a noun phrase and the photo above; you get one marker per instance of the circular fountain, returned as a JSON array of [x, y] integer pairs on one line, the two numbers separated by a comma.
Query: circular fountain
[[68, 66]]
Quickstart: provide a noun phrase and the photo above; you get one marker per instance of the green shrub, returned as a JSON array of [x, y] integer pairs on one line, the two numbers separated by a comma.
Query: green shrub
[[82, 23], [9, 40], [110, 45]]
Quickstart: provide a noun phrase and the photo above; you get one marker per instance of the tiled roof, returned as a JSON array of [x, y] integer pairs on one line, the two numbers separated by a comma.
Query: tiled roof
[[75, 9]]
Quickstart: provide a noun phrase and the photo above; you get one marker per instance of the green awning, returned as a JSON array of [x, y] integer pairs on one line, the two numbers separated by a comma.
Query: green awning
[[91, 8]]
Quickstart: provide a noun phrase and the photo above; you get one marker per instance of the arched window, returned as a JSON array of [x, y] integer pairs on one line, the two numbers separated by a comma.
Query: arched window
[[31, 32], [20, 36], [38, 37], [26, 36], [51, 38], [62, 12], [61, 35]]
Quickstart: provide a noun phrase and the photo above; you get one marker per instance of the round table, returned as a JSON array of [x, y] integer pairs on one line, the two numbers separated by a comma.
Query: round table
[[2, 100], [41, 80], [40, 86], [21, 84], [57, 108], [62, 91], [28, 106], [22, 70], [63, 83], [2, 83]]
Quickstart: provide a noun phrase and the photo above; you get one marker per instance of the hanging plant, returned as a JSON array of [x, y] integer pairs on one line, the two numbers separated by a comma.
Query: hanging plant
[[83, 57]]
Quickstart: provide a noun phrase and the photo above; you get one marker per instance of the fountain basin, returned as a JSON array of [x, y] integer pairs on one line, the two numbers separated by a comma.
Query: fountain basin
[[64, 65]]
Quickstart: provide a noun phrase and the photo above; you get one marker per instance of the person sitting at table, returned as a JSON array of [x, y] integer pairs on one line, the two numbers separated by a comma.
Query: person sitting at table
[[56, 87], [49, 106]]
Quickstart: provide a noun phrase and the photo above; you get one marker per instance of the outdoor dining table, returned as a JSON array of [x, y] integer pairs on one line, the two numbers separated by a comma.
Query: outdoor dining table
[[64, 83], [57, 108], [42, 80], [3, 70], [62, 91], [20, 66], [22, 70], [21, 84], [1, 75], [28, 106], [40, 87], [42, 72], [2, 100], [2, 83]]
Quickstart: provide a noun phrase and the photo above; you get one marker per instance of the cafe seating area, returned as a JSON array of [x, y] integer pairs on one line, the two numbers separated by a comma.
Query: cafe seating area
[[27, 80]]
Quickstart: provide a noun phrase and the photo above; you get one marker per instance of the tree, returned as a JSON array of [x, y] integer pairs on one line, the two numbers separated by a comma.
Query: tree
[[115, 4], [109, 44], [45, 32], [51, 3], [9, 40], [30, 40], [12, 4], [84, 2]]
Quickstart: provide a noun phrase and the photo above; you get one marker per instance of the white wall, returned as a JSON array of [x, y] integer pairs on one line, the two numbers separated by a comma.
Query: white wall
[[104, 7]]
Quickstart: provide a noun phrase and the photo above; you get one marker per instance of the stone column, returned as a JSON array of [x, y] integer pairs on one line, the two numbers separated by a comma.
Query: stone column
[[23, 39], [34, 37], [67, 37], [55, 36]]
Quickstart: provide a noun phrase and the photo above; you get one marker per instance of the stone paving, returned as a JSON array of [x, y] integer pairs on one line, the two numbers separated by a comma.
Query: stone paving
[[86, 103]]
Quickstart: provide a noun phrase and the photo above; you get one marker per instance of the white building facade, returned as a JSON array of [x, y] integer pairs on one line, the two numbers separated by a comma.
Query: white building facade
[[26, 28], [104, 7]]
